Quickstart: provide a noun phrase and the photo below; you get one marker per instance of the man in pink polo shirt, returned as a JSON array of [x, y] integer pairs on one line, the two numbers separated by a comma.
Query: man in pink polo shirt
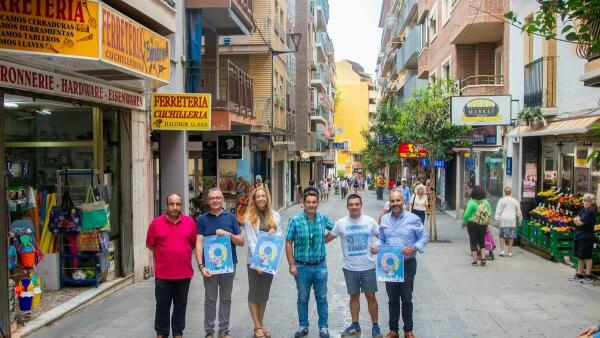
[[171, 237]]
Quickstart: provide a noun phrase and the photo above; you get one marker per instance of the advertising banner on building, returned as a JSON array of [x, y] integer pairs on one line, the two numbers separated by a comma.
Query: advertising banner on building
[[181, 111], [128, 44], [581, 154], [481, 110], [530, 180], [409, 150], [50, 27], [31, 79]]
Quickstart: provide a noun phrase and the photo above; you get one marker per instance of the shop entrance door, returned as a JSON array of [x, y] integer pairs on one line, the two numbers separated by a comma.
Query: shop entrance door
[[567, 174], [492, 180]]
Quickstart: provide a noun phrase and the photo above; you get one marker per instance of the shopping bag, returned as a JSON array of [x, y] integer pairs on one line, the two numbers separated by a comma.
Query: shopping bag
[[95, 214], [66, 217], [88, 241]]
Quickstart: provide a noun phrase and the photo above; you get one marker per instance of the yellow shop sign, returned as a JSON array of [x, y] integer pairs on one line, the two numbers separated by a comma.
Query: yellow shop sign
[[181, 111], [129, 44], [56, 27]]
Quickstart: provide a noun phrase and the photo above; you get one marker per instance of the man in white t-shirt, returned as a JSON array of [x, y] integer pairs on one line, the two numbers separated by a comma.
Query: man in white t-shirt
[[357, 232]]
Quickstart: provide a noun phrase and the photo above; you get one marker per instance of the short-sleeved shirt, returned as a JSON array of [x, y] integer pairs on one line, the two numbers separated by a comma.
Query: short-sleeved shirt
[[356, 235], [208, 224], [308, 237], [173, 245]]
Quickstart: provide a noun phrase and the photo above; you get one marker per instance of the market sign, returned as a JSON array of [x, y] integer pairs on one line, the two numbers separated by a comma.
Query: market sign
[[181, 111], [409, 150], [128, 44], [50, 27], [481, 110], [35, 80]]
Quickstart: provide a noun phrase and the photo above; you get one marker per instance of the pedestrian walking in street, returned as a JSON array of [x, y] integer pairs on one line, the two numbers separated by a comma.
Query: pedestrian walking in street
[[355, 184], [344, 187], [357, 232], [306, 253], [419, 204], [171, 237], [405, 192], [403, 229], [260, 216], [584, 240], [476, 219], [508, 213], [217, 221], [391, 184]]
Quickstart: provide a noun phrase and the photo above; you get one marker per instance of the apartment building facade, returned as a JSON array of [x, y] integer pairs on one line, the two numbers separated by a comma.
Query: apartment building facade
[[462, 40], [356, 103], [547, 75], [315, 93]]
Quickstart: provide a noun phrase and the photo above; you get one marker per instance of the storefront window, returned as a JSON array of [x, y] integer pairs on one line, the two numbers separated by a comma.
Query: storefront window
[[470, 174], [567, 152], [550, 166], [595, 178], [493, 177]]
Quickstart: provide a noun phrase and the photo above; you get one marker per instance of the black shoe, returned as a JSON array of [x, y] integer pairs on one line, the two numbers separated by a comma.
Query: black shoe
[[483, 261], [474, 263]]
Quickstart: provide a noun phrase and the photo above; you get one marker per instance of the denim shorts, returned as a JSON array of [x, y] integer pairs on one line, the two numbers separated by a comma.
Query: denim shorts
[[507, 232], [360, 281]]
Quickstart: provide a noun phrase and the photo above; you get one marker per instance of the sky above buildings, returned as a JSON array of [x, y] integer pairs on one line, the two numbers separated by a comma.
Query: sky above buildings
[[353, 28]]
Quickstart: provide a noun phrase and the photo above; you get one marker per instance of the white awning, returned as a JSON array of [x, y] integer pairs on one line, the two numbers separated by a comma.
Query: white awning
[[562, 127], [477, 149]]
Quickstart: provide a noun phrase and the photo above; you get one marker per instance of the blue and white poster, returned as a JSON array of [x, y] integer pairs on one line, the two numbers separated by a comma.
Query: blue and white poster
[[267, 253], [218, 257], [390, 264]]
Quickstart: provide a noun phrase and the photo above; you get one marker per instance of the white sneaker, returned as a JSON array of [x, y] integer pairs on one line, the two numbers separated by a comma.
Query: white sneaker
[[510, 254], [501, 253]]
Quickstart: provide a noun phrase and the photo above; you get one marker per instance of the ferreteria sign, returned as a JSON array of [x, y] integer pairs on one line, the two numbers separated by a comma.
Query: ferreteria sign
[[86, 30], [481, 110], [31, 79], [181, 111]]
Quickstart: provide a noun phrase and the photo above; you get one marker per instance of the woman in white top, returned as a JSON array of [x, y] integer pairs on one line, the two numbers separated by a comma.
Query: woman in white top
[[419, 204], [508, 211], [260, 216]]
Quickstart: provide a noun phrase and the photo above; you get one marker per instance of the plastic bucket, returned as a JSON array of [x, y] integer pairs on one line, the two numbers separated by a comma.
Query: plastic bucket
[[25, 301], [37, 297]]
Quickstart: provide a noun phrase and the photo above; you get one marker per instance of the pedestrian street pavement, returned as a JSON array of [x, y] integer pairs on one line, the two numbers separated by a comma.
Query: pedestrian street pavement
[[519, 296]]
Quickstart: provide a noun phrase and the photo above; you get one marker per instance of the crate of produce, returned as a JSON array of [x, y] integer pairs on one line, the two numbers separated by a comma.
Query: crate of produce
[[545, 240], [558, 236]]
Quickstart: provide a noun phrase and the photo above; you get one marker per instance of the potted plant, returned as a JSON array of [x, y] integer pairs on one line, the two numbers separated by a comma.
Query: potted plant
[[533, 118]]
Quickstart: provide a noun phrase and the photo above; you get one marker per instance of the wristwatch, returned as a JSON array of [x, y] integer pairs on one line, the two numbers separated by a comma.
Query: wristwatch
[[200, 267]]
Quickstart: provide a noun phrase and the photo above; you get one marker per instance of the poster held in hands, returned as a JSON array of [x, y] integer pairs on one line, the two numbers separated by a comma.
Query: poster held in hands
[[218, 257], [390, 264]]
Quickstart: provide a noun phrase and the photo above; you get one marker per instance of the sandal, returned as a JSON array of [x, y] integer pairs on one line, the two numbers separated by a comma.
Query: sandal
[[257, 335], [267, 333], [483, 261]]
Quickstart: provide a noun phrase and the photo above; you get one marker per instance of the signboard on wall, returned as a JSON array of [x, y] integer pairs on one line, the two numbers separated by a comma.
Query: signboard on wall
[[409, 150], [581, 154], [483, 110], [230, 147], [181, 111], [130, 45], [484, 136], [509, 166], [50, 27], [25, 78]]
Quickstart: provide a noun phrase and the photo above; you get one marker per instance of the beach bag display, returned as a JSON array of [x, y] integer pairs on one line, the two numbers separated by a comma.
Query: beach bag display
[[88, 241], [95, 213], [66, 217]]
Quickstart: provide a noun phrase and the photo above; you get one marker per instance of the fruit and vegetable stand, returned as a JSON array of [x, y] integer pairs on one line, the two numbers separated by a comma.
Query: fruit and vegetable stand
[[549, 229]]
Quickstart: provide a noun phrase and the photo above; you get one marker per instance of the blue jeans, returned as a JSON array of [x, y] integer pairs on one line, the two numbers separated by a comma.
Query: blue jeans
[[314, 276]]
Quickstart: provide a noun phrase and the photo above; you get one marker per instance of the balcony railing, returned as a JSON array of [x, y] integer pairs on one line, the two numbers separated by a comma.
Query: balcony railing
[[403, 14], [247, 5], [482, 80], [540, 83], [229, 86], [318, 75], [324, 4]]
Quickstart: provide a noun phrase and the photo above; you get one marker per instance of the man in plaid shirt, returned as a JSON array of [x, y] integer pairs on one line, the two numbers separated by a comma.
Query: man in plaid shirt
[[305, 251]]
